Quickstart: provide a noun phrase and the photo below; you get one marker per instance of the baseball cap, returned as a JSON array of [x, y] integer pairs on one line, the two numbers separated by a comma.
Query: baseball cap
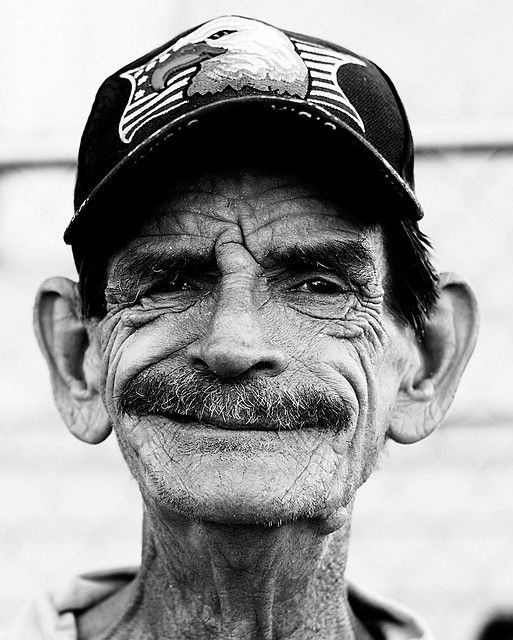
[[260, 74]]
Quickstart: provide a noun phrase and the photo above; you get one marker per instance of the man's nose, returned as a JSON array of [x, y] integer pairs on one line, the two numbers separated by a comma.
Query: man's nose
[[234, 345]]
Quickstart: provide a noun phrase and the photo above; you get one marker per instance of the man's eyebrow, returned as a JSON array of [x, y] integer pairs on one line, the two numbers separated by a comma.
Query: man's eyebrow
[[344, 257], [142, 266]]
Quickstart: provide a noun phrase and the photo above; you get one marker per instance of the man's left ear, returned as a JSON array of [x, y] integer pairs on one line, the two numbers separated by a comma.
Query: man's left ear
[[70, 348], [438, 362]]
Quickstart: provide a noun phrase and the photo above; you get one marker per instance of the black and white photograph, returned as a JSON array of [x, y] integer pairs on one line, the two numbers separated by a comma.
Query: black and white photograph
[[256, 318]]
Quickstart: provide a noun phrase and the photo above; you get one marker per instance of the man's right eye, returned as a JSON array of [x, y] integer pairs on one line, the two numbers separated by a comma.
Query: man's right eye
[[171, 286]]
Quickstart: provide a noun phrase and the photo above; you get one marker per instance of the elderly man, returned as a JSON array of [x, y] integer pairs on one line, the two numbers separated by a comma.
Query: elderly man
[[256, 315]]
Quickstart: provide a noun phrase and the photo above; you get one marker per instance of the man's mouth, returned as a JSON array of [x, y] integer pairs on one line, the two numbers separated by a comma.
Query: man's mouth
[[216, 423]]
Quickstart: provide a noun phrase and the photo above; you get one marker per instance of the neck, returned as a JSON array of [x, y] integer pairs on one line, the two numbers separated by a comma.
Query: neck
[[210, 581]]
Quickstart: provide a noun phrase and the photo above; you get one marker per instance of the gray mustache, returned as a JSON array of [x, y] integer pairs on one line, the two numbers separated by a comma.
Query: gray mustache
[[250, 403]]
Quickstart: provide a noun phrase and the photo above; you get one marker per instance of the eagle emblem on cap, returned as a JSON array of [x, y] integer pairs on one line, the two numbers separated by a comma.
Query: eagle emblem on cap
[[235, 53]]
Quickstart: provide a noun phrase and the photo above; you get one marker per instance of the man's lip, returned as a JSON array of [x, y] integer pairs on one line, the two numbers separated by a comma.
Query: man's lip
[[213, 423]]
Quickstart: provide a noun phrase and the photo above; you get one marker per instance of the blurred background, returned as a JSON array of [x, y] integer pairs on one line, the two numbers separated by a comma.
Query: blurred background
[[434, 526]]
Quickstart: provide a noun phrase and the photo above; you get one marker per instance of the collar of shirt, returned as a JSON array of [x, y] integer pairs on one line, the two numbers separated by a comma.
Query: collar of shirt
[[50, 616]]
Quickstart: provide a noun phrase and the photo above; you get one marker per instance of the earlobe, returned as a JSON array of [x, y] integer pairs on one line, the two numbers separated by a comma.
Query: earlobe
[[72, 359], [439, 360]]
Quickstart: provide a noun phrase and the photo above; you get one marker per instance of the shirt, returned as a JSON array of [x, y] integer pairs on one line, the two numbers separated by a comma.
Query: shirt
[[50, 616]]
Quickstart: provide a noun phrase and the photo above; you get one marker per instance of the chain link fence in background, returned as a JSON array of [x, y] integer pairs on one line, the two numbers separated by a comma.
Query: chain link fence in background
[[433, 527]]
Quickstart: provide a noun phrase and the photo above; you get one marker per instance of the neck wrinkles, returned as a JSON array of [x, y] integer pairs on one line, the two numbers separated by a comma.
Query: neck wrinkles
[[207, 581]]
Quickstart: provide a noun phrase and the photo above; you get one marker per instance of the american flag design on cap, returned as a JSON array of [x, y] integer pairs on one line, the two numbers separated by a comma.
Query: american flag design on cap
[[240, 54]]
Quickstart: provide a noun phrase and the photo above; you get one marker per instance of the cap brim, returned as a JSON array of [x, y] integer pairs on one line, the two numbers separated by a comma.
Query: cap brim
[[348, 146]]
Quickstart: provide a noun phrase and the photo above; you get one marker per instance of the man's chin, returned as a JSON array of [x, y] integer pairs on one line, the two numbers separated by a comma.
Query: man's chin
[[247, 487], [239, 508]]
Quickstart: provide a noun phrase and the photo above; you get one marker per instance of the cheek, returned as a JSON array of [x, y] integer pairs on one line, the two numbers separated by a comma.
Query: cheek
[[134, 339], [346, 354], [369, 369]]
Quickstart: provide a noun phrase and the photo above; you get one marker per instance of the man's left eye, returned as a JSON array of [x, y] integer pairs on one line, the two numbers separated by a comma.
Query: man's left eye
[[319, 285], [171, 286]]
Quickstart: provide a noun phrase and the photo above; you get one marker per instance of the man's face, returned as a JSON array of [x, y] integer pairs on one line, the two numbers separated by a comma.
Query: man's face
[[249, 364]]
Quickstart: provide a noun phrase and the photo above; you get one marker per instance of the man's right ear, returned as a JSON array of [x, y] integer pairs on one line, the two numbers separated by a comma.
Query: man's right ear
[[72, 358]]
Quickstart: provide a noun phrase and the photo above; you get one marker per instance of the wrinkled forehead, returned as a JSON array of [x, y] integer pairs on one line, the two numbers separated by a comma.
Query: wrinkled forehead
[[266, 207]]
